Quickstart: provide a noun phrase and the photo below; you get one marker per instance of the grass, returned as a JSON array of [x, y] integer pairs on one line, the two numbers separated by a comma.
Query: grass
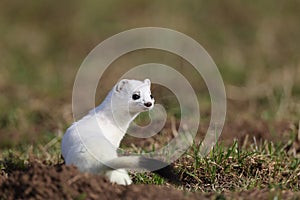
[[224, 169], [234, 169], [255, 46]]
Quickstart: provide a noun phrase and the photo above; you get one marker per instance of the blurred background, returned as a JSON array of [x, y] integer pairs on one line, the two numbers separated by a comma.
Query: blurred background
[[255, 44]]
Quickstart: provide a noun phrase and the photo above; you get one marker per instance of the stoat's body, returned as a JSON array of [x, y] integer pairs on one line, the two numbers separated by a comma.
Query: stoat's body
[[91, 143]]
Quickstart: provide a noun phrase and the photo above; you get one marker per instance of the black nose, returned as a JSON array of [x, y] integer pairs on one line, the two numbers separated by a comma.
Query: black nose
[[148, 104]]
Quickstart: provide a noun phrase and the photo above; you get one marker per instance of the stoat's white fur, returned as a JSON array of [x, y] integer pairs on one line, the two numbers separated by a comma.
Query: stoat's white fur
[[91, 143]]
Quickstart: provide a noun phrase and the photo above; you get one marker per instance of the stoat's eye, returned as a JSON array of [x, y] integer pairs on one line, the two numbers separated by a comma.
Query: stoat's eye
[[135, 96], [151, 96]]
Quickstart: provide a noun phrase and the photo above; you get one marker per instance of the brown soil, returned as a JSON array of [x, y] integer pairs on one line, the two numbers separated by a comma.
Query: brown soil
[[257, 130], [246, 132], [66, 182], [40, 181]]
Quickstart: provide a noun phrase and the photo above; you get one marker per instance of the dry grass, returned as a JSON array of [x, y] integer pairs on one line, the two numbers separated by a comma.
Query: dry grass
[[254, 44]]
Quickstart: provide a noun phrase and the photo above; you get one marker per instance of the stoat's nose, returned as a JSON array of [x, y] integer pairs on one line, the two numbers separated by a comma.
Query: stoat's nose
[[148, 104]]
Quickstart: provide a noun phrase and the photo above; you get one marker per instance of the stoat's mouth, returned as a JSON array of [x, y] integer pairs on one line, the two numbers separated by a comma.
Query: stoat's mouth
[[147, 108]]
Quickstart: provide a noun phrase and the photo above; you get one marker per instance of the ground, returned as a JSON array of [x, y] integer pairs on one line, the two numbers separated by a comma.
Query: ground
[[38, 178], [255, 46], [40, 181]]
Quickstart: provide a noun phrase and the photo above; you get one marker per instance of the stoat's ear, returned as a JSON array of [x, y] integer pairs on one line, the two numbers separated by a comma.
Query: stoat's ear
[[121, 85], [147, 81]]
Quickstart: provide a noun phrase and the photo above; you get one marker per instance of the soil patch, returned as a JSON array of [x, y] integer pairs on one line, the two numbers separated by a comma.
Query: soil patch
[[66, 182], [245, 132], [40, 181]]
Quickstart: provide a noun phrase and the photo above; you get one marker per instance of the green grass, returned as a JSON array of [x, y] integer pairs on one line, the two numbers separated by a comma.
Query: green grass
[[20, 157], [234, 168], [255, 46], [224, 169]]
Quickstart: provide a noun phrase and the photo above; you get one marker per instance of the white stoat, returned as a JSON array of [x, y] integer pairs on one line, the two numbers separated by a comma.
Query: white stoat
[[91, 143]]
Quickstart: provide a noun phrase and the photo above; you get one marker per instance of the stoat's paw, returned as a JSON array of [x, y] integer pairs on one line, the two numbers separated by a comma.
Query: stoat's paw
[[119, 177]]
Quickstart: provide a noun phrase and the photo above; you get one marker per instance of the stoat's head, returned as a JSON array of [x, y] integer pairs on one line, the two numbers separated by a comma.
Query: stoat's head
[[136, 94]]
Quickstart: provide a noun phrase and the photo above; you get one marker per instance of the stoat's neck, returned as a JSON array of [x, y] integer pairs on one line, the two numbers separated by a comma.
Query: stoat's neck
[[115, 109], [120, 118]]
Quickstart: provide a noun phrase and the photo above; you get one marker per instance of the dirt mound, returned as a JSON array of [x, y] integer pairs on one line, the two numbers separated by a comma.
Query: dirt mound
[[263, 194], [40, 181], [66, 182]]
